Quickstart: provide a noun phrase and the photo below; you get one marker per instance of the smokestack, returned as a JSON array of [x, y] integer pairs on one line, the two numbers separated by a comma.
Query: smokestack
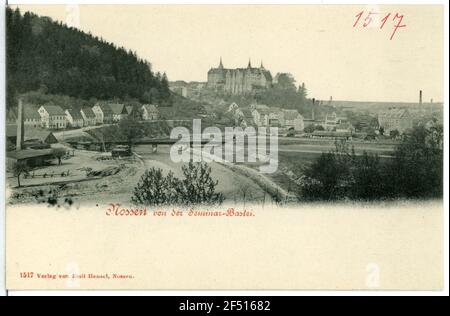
[[20, 129], [312, 114], [420, 97]]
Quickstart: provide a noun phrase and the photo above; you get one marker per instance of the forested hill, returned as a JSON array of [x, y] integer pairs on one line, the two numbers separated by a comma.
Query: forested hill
[[44, 54]]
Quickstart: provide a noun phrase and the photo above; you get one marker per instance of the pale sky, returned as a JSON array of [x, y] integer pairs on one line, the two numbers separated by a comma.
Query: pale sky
[[317, 44]]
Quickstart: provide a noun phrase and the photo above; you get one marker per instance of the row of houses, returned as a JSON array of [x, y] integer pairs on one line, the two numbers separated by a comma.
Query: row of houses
[[264, 116], [54, 117]]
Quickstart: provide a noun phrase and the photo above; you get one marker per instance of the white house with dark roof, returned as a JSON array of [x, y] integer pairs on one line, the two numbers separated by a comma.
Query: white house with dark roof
[[31, 116], [150, 112], [291, 119], [260, 114], [88, 115], [119, 111], [52, 116], [103, 113], [74, 118]]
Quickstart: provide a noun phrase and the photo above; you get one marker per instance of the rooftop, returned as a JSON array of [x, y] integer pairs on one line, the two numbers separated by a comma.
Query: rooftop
[[53, 109], [106, 109], [76, 115], [150, 107], [88, 112], [117, 108], [394, 113], [30, 132], [29, 153]]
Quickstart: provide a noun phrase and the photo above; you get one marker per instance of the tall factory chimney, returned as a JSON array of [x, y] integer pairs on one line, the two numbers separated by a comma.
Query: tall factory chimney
[[420, 97], [20, 129], [312, 111]]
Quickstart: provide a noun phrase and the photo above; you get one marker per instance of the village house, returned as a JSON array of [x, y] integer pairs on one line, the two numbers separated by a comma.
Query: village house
[[52, 116], [267, 116], [103, 113], [395, 119], [331, 121], [33, 137], [118, 111], [31, 157], [134, 111], [89, 118], [150, 112], [274, 117], [74, 118], [291, 119], [31, 116], [246, 117], [236, 113]]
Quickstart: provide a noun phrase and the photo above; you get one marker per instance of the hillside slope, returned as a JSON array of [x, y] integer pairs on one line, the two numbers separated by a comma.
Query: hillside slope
[[48, 55]]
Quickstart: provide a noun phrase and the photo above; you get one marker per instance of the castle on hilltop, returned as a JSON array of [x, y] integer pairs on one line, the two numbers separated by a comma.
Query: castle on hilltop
[[239, 80]]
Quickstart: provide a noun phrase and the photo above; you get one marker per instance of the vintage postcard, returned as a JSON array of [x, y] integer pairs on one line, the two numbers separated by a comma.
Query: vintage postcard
[[224, 147]]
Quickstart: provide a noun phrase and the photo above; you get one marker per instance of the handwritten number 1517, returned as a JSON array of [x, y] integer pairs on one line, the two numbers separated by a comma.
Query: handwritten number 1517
[[397, 20]]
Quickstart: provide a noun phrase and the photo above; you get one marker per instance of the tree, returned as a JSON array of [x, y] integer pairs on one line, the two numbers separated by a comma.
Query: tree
[[198, 187], [285, 82], [41, 52], [302, 91], [131, 129], [415, 171], [394, 133], [381, 130], [19, 168], [59, 153], [417, 168], [368, 178], [313, 127], [155, 189]]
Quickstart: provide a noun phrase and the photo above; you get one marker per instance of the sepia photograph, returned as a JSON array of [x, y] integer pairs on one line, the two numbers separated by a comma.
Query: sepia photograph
[[219, 147]]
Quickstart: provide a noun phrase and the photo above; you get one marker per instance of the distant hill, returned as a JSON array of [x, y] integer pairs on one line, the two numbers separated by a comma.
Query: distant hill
[[57, 59]]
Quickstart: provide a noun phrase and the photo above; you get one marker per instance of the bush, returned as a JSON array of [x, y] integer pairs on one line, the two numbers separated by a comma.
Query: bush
[[415, 171], [153, 188], [196, 188]]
